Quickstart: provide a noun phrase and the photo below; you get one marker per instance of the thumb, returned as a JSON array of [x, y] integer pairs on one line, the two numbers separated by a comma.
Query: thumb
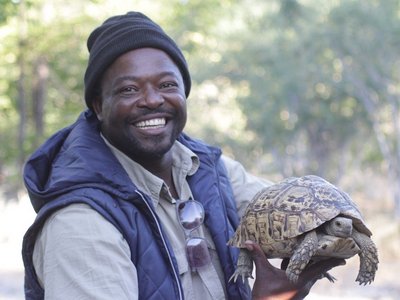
[[258, 255], [270, 282]]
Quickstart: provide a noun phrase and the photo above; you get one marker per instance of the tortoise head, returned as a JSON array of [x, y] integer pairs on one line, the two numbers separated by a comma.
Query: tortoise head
[[339, 226]]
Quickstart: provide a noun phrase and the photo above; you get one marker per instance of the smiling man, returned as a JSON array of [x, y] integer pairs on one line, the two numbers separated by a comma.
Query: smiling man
[[130, 207], [142, 108]]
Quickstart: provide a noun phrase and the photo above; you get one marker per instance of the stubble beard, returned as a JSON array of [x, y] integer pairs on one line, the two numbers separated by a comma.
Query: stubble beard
[[154, 149]]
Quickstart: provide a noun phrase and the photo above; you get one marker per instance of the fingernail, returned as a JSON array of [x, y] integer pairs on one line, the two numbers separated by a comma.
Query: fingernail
[[249, 245]]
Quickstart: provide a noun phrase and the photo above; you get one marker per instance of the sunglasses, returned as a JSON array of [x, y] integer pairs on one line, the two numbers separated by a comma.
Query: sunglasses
[[191, 215]]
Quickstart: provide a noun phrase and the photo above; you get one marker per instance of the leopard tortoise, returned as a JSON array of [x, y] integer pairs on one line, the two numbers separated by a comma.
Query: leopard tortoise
[[305, 219]]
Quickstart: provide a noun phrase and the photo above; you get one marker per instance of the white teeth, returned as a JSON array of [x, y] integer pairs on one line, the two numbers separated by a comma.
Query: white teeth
[[160, 122]]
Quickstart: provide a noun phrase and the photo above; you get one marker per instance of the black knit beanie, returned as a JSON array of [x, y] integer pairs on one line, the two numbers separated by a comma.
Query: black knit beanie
[[123, 33]]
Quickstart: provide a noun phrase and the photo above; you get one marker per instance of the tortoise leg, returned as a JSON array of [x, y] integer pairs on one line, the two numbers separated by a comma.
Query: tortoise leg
[[285, 263], [244, 267], [368, 257], [302, 255]]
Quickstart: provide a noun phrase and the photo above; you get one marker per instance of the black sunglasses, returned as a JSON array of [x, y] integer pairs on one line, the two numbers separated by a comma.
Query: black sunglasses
[[191, 216]]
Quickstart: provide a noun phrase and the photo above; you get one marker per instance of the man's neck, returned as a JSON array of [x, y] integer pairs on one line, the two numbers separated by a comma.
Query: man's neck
[[162, 168]]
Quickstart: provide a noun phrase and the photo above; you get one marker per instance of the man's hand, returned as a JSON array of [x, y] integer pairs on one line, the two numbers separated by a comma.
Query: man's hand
[[272, 283]]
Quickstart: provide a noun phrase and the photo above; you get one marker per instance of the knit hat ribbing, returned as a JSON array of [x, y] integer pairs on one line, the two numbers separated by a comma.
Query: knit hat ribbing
[[123, 33]]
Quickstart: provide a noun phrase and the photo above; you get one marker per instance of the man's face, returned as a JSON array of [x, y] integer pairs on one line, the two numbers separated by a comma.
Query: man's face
[[143, 105]]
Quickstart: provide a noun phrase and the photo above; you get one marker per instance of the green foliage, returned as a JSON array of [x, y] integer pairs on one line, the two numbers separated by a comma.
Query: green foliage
[[301, 106], [7, 9], [282, 83], [32, 35]]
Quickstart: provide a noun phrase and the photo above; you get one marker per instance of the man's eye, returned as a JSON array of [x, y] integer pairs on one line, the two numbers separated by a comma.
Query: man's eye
[[168, 85], [127, 90]]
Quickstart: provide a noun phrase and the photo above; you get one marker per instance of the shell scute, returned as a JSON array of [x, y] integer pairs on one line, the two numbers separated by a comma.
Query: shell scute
[[285, 220], [293, 207]]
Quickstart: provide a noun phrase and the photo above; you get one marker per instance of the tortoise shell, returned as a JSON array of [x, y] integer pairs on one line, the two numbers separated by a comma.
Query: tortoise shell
[[283, 211]]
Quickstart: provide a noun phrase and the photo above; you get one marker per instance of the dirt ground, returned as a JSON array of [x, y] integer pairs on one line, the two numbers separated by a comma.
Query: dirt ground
[[16, 216]]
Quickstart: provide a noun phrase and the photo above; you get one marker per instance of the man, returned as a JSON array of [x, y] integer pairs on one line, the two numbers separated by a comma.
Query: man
[[129, 207]]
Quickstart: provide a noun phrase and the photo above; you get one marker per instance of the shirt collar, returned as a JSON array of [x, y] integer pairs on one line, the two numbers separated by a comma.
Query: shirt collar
[[184, 162]]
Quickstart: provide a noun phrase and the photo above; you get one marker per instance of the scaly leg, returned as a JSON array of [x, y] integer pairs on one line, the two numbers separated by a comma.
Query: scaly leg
[[302, 255], [368, 257], [244, 266]]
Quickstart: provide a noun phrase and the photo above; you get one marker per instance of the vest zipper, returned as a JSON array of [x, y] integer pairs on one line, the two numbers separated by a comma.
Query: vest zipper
[[165, 246]]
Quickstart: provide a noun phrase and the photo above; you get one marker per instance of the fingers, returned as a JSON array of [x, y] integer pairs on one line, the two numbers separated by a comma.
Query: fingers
[[278, 282], [314, 272], [309, 273]]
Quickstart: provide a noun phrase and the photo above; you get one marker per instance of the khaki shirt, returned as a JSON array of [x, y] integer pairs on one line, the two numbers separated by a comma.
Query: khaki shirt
[[79, 254]]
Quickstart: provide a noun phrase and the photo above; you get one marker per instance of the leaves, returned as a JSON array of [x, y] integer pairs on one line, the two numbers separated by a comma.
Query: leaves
[[287, 87]]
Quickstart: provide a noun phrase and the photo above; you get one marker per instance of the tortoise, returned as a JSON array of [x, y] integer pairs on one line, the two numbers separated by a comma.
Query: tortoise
[[303, 220]]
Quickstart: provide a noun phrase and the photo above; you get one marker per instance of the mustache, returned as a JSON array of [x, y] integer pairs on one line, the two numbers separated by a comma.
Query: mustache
[[144, 111]]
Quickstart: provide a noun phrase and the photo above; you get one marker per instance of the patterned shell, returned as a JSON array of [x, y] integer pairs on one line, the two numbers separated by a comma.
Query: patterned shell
[[292, 207]]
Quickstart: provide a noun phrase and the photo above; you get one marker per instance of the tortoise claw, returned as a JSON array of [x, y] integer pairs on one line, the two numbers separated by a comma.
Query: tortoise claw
[[329, 277], [244, 266], [364, 280], [244, 276]]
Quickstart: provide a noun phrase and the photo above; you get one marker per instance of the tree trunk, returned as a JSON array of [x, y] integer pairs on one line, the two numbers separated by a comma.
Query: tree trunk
[[389, 151], [21, 84], [41, 73]]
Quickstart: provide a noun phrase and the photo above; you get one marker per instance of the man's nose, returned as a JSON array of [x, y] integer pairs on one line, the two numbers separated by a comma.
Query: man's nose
[[152, 98]]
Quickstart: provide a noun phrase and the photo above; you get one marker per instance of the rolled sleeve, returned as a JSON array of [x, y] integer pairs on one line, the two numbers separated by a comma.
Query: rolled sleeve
[[244, 184]]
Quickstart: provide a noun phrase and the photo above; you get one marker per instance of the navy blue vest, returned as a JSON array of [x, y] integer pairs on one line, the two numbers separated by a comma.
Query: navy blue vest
[[75, 166]]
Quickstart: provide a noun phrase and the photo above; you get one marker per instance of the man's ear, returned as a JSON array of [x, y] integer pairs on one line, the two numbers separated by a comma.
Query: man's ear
[[98, 108]]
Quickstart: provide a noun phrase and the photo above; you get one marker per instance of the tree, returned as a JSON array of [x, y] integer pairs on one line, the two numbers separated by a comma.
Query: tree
[[365, 40], [43, 71], [295, 106], [319, 82]]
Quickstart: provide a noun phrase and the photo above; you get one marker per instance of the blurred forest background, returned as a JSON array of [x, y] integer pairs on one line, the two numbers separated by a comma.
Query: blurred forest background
[[286, 87]]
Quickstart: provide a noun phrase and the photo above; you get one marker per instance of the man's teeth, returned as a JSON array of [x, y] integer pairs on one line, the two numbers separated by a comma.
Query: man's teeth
[[151, 123]]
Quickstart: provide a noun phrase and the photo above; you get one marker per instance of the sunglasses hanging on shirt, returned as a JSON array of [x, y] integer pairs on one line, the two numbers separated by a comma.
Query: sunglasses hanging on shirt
[[191, 216]]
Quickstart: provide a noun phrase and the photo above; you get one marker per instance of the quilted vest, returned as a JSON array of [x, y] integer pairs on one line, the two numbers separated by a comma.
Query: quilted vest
[[110, 192]]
